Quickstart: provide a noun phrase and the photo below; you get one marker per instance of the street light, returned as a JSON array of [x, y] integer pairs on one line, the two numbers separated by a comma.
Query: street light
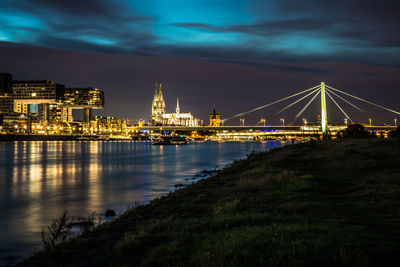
[[370, 122], [283, 121], [395, 122], [304, 121]]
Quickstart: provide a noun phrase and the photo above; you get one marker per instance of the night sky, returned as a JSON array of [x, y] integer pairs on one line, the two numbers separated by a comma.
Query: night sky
[[234, 54]]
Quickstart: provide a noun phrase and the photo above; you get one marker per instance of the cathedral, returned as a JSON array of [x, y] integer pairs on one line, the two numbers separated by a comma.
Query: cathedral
[[160, 117]]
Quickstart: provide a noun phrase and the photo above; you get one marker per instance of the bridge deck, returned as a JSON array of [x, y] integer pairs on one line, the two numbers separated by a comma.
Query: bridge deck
[[255, 128]]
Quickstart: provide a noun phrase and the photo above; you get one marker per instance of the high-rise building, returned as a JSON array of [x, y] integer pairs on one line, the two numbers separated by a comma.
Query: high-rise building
[[214, 119], [5, 84], [45, 93], [81, 98], [46, 102], [6, 101], [52, 102], [37, 92]]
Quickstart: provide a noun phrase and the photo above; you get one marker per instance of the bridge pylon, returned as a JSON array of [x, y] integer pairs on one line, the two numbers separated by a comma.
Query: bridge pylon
[[324, 114]]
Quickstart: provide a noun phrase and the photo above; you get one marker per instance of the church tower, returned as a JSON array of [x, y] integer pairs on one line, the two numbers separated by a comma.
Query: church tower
[[155, 101], [161, 102], [214, 119], [178, 110], [157, 106]]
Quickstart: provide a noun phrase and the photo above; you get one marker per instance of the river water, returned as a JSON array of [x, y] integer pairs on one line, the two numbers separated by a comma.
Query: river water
[[39, 180]]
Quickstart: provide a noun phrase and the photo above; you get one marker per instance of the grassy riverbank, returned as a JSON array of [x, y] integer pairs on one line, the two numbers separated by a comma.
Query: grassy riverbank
[[334, 203]]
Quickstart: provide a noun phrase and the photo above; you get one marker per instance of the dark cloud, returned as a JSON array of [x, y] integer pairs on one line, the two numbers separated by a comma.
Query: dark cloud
[[369, 73], [115, 27], [90, 8], [353, 31], [372, 21], [90, 25], [265, 28], [278, 67]]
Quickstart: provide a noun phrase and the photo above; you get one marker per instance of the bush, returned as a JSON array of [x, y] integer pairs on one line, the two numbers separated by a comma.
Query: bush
[[395, 133], [355, 131], [58, 231]]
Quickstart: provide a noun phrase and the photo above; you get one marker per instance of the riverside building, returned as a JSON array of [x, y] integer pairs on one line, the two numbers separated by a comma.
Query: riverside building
[[214, 119], [160, 117], [6, 101], [42, 96], [81, 98], [47, 104], [109, 125]]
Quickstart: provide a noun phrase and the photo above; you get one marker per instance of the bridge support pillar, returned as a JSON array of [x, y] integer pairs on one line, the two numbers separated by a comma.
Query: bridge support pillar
[[324, 114]]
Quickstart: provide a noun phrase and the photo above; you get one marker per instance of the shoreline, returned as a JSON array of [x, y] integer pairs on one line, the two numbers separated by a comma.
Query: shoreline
[[186, 171], [280, 189], [37, 137]]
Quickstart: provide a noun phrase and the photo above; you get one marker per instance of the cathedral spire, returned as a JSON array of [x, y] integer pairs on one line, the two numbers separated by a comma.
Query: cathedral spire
[[160, 94], [178, 110], [155, 93], [161, 101]]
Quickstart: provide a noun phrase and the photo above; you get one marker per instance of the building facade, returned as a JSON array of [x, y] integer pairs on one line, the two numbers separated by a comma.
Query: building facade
[[160, 117], [214, 119], [109, 125], [31, 94], [178, 118], [5, 84], [47, 102], [6, 104], [81, 98], [14, 123], [157, 106]]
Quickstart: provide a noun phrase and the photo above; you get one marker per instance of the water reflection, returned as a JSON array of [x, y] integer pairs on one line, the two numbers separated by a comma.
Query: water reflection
[[39, 180]]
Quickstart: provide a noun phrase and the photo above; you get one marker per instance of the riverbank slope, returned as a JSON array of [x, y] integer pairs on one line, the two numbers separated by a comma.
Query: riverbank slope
[[334, 203]]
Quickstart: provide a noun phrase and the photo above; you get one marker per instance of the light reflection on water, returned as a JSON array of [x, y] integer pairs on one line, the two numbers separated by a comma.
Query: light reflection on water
[[39, 180]]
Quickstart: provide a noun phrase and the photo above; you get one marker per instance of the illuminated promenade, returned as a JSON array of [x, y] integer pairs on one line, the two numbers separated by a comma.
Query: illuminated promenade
[[273, 131]]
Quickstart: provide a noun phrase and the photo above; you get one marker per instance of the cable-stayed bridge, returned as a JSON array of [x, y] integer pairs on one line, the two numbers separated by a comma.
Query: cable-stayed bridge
[[322, 90]]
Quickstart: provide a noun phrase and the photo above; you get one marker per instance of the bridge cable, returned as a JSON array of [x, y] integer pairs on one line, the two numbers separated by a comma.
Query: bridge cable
[[270, 104], [297, 101], [347, 116], [278, 112], [368, 114], [306, 106], [345, 100], [366, 101]]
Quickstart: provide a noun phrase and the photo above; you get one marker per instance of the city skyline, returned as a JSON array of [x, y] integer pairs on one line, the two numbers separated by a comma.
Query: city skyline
[[236, 55]]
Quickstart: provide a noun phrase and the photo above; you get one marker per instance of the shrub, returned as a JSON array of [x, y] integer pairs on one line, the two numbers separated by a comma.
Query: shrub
[[355, 131], [57, 232], [395, 133]]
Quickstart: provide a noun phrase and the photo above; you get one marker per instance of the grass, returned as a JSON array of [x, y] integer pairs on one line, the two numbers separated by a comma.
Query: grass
[[332, 203]]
